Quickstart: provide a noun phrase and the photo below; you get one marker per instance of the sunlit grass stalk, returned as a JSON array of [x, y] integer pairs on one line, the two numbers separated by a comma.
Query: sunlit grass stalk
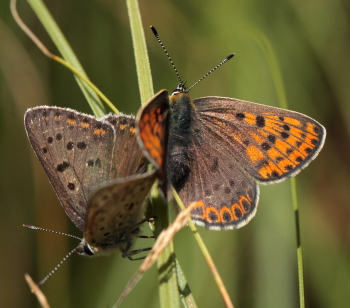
[[78, 74], [61, 43], [298, 239], [168, 284]]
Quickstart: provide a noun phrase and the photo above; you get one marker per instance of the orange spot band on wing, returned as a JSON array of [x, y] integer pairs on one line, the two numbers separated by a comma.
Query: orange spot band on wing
[[310, 127], [282, 146], [263, 133], [296, 132], [283, 164], [297, 136], [199, 204], [272, 126], [250, 118], [99, 131], [84, 124], [273, 153], [239, 206], [254, 153], [293, 140], [292, 121], [223, 214], [257, 137], [71, 122], [210, 213], [293, 157], [268, 169]]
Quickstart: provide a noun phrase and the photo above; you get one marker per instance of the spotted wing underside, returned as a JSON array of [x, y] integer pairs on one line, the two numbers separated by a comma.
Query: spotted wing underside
[[115, 211], [77, 152]]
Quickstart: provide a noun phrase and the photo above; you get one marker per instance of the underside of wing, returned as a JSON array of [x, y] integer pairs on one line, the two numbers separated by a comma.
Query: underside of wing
[[128, 158], [115, 211], [75, 151]]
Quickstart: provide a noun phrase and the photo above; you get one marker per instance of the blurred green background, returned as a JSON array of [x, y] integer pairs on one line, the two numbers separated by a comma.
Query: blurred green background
[[310, 40]]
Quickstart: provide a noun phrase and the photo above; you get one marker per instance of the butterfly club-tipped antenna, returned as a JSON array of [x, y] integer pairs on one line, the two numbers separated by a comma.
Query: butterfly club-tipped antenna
[[181, 86], [182, 82], [76, 249], [230, 56]]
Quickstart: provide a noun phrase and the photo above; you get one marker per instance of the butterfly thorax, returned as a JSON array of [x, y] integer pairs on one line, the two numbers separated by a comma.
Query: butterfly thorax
[[179, 142]]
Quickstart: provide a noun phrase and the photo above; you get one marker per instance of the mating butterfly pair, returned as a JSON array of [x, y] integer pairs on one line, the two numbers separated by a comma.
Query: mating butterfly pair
[[214, 150]]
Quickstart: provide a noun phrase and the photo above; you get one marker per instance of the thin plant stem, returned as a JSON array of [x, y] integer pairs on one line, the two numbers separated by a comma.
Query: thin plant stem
[[282, 99], [168, 284]]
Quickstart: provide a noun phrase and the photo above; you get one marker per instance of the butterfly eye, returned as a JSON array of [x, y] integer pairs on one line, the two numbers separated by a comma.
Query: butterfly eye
[[84, 249]]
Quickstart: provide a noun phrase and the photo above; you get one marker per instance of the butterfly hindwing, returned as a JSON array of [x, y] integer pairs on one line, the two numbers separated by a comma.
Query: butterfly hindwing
[[115, 210], [228, 196]]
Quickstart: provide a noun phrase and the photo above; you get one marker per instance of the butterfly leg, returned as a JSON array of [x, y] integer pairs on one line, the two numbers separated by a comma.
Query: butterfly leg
[[128, 254], [149, 219], [134, 252]]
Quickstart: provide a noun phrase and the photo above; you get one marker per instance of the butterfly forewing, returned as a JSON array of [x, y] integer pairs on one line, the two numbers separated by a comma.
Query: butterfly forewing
[[79, 153], [271, 144], [75, 151], [152, 125]]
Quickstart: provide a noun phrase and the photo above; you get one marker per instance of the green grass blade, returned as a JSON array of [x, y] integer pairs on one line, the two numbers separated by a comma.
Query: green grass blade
[[168, 284], [282, 98], [140, 50], [61, 43]]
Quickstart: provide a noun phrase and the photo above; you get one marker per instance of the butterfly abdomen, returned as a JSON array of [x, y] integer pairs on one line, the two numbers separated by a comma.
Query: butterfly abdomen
[[180, 141]]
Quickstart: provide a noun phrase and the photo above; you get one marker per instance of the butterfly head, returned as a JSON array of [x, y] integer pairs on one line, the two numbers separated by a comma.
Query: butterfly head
[[180, 88], [84, 249], [180, 93], [87, 250]]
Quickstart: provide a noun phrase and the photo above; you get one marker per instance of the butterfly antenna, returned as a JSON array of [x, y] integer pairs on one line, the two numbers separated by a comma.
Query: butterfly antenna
[[64, 259], [166, 52], [55, 232], [57, 266], [216, 67]]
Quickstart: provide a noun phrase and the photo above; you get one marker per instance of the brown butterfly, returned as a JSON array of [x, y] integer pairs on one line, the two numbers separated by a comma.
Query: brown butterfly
[[217, 150], [98, 173]]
